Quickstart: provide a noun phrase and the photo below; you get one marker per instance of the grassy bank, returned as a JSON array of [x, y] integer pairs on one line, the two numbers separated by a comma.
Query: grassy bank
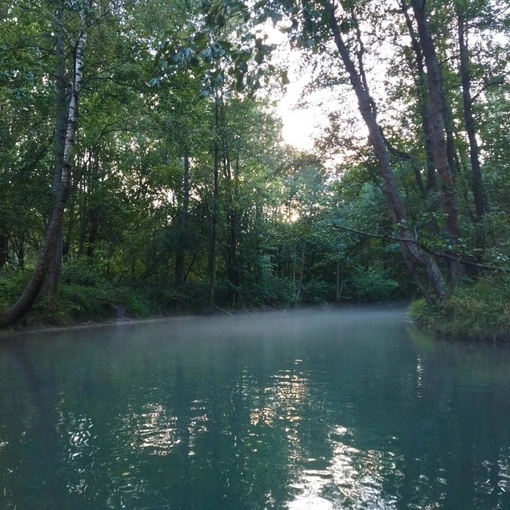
[[474, 311], [89, 293], [85, 297]]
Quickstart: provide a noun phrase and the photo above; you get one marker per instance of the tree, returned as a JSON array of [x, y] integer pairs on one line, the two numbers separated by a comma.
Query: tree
[[436, 110], [63, 164], [412, 253]]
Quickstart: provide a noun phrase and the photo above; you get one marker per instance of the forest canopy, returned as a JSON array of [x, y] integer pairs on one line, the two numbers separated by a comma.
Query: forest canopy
[[143, 171]]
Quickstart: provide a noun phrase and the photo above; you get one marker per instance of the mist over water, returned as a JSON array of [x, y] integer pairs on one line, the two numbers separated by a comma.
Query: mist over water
[[305, 409]]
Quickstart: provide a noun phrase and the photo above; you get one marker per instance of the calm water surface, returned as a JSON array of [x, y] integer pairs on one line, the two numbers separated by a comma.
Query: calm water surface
[[349, 409]]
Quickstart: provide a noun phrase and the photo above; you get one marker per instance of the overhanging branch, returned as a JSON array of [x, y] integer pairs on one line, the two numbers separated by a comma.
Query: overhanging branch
[[424, 247]]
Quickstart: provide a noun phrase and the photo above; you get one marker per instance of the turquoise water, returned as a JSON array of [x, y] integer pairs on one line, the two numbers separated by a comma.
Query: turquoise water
[[338, 409]]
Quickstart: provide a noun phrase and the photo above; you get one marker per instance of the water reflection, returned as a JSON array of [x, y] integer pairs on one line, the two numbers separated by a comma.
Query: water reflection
[[504, 472], [282, 399], [352, 478], [325, 410], [154, 430]]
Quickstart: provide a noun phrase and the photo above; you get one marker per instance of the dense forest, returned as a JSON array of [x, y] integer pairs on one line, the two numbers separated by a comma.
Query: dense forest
[[143, 171]]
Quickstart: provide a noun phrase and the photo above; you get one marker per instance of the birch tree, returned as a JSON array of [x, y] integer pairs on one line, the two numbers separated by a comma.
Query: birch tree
[[63, 163]]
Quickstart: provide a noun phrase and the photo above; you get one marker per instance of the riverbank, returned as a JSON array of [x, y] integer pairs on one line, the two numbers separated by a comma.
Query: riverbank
[[104, 302], [477, 311], [88, 297], [23, 328], [55, 321]]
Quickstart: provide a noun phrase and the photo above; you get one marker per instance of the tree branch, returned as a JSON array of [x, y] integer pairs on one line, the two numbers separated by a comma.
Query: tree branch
[[497, 80], [424, 247]]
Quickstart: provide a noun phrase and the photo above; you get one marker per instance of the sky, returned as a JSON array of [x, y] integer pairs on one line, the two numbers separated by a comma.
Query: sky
[[300, 124]]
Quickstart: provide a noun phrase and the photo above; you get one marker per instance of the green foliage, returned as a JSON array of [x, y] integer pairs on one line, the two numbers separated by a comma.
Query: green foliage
[[421, 313], [138, 212], [316, 292], [81, 272], [373, 285], [479, 310], [12, 283], [278, 292], [275, 291], [86, 303]]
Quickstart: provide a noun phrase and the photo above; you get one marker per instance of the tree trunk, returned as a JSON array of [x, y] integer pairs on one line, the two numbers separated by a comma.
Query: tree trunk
[[259, 273], [54, 230], [94, 228], [4, 253], [215, 206], [83, 211], [479, 195], [453, 159], [50, 286], [410, 251], [231, 178], [19, 250], [338, 293], [68, 235], [423, 106], [294, 267], [93, 217], [437, 121], [301, 276], [180, 254]]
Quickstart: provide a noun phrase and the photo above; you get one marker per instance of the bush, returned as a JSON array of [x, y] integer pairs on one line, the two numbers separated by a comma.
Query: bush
[[84, 302], [420, 313], [316, 291], [479, 311], [12, 284], [373, 285], [81, 272]]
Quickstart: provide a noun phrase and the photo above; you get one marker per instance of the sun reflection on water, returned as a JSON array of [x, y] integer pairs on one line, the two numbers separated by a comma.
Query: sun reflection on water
[[345, 477], [156, 431], [281, 400], [197, 424], [79, 449], [352, 478]]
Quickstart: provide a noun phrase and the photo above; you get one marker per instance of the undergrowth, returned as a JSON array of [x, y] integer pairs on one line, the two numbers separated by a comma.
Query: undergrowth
[[479, 311], [88, 293], [84, 298]]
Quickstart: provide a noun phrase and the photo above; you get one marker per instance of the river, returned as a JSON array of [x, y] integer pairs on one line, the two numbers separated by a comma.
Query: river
[[307, 409]]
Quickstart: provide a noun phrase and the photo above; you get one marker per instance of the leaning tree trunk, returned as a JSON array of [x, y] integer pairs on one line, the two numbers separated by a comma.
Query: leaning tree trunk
[[231, 178], [442, 139], [234, 230], [53, 232], [411, 252]]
